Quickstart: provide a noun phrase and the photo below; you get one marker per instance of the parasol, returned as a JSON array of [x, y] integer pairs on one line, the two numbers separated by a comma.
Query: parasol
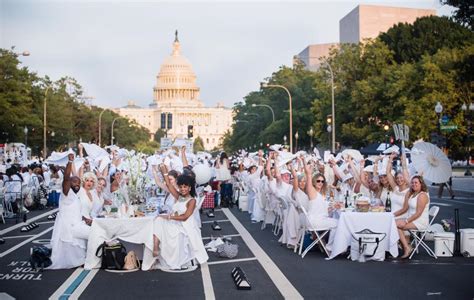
[[355, 154], [430, 161]]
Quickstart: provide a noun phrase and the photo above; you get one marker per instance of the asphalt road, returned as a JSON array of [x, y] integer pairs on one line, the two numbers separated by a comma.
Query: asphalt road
[[274, 271]]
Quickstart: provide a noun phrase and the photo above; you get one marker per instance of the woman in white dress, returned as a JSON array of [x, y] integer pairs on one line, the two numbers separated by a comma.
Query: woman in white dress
[[318, 209], [417, 205], [177, 238], [399, 184], [91, 204]]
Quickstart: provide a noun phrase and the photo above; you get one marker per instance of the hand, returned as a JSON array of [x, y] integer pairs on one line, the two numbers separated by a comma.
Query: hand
[[71, 156], [393, 155], [79, 146]]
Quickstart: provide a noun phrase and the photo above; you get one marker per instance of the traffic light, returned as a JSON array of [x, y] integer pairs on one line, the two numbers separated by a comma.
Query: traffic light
[[190, 131]]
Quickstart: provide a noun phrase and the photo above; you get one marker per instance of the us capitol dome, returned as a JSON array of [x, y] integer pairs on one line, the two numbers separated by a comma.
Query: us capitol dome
[[176, 104]]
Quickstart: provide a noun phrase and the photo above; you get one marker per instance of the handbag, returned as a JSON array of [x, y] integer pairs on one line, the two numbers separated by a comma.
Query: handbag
[[40, 257], [112, 255], [365, 245], [131, 261], [228, 250]]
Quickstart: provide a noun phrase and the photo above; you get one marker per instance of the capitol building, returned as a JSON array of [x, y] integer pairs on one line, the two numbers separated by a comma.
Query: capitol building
[[177, 106]]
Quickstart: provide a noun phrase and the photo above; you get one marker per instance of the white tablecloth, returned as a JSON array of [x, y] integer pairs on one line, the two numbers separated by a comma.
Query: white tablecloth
[[351, 222], [133, 230]]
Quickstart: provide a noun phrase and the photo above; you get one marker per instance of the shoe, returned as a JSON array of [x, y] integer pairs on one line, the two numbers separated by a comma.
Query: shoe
[[216, 226], [210, 214], [408, 253]]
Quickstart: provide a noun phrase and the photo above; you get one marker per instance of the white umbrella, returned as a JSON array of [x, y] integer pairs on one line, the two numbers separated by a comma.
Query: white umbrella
[[355, 154], [431, 162]]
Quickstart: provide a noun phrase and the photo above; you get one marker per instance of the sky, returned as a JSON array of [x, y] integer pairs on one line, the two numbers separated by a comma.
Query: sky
[[114, 49]]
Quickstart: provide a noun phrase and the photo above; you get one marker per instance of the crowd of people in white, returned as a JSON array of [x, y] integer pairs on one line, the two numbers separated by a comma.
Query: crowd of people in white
[[290, 191]]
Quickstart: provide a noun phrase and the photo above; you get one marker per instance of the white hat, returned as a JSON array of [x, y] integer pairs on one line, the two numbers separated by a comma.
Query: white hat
[[369, 168], [284, 171], [347, 177], [392, 149], [284, 158], [276, 147]]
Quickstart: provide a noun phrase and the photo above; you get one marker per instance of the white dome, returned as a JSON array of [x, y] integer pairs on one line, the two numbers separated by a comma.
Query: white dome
[[176, 81]]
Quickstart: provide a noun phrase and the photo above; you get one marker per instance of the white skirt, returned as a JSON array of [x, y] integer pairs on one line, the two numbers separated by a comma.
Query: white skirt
[[175, 248]]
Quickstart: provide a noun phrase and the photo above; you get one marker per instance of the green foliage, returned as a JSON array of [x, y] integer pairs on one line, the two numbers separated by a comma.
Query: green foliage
[[463, 14], [426, 36], [198, 144], [69, 120], [147, 147], [160, 133], [396, 78]]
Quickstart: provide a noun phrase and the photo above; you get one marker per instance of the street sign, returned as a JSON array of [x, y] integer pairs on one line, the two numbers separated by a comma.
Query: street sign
[[445, 120], [449, 127]]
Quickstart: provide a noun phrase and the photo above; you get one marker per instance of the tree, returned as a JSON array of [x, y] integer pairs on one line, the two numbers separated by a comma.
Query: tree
[[463, 14], [198, 144], [409, 42], [160, 133]]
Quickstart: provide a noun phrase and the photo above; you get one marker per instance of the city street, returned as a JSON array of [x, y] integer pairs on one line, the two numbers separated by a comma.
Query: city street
[[274, 271]]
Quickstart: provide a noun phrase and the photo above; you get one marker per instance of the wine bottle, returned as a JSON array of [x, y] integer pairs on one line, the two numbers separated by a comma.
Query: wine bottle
[[388, 203], [346, 198]]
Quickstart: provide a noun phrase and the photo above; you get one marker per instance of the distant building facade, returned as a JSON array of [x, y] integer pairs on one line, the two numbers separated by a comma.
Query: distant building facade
[[364, 21], [368, 21], [177, 106]]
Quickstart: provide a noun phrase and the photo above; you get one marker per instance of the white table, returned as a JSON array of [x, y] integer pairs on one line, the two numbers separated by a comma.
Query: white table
[[351, 222], [132, 230]]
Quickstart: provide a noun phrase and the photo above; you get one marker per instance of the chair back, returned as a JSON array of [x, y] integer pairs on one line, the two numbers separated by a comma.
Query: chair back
[[308, 222], [433, 212]]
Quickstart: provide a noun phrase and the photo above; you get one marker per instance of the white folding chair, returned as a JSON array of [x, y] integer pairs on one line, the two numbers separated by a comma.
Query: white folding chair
[[419, 235], [320, 233]]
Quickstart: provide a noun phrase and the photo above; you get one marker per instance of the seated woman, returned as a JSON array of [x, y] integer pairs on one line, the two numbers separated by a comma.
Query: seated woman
[[417, 204], [91, 204], [176, 236]]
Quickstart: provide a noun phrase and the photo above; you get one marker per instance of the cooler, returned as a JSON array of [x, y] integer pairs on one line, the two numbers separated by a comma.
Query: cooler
[[467, 241], [444, 244]]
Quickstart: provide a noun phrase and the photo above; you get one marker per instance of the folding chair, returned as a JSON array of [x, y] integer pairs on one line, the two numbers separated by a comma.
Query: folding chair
[[419, 235], [319, 232]]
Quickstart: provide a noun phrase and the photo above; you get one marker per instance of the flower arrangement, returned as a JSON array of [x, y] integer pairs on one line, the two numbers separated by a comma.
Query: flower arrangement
[[137, 178], [447, 223]]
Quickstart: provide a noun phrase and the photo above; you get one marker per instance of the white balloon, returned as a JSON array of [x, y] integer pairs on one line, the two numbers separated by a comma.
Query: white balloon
[[203, 173]]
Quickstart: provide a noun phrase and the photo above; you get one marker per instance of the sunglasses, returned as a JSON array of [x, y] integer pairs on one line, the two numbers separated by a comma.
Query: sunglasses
[[320, 181]]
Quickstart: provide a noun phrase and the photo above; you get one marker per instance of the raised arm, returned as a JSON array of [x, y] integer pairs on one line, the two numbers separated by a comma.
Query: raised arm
[[268, 166], [158, 181], [67, 174], [295, 178], [391, 179], [310, 189], [183, 156], [171, 188], [405, 172]]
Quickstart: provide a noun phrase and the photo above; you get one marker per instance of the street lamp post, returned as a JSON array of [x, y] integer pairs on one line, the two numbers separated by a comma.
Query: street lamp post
[[333, 110], [386, 128], [45, 124], [465, 108], [112, 130], [269, 107], [438, 111], [296, 137], [311, 133], [25, 130], [265, 85], [100, 126]]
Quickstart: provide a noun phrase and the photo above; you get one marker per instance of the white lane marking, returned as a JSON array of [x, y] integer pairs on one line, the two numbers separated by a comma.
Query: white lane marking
[[218, 221], [224, 236], [207, 282], [461, 202], [25, 242], [29, 221], [66, 284], [276, 275], [45, 222], [440, 204], [17, 236], [231, 261], [84, 284], [471, 218]]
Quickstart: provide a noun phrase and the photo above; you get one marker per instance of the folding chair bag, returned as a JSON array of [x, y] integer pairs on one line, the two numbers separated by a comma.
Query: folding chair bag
[[208, 202], [366, 243]]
